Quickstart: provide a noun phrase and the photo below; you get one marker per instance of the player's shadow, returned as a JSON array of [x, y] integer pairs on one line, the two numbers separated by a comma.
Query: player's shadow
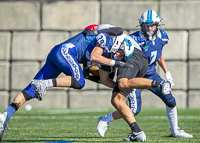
[[169, 136]]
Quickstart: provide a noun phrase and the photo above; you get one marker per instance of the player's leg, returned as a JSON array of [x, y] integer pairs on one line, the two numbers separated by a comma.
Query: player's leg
[[134, 99], [44, 79], [64, 61], [47, 71], [126, 113], [139, 69], [170, 102], [5, 116], [127, 80], [118, 100], [171, 110]]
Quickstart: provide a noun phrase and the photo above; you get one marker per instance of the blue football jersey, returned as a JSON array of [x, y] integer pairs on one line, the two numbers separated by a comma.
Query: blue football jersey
[[152, 49], [65, 57], [85, 44]]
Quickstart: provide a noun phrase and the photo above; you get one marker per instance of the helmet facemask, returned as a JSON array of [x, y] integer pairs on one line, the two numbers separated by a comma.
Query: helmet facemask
[[150, 34]]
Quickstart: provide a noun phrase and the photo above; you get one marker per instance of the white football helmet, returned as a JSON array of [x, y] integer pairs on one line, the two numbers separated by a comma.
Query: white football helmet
[[104, 26], [126, 43], [150, 17]]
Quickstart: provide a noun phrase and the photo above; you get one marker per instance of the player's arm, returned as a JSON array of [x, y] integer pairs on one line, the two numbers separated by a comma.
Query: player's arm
[[162, 64], [96, 56], [105, 79]]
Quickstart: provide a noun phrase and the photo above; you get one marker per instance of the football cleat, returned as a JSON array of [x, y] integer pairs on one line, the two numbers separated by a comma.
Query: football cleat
[[3, 117], [40, 88], [180, 134], [165, 87], [140, 137], [102, 126]]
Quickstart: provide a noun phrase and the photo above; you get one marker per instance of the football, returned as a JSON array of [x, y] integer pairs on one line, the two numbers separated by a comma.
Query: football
[[94, 70]]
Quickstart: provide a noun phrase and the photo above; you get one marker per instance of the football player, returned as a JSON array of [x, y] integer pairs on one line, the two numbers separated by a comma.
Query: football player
[[126, 81], [151, 39]]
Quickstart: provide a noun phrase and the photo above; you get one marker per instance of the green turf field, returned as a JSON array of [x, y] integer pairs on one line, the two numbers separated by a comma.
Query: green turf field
[[79, 125]]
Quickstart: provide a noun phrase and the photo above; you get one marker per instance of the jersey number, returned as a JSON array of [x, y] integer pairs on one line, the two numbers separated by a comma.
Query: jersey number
[[153, 57], [101, 39]]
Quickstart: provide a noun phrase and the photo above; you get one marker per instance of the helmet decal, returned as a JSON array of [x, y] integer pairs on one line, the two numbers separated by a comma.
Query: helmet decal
[[124, 42], [149, 17], [92, 27], [128, 49], [104, 26]]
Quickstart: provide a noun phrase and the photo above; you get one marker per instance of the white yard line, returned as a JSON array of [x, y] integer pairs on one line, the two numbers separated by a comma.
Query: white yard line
[[95, 117], [79, 110]]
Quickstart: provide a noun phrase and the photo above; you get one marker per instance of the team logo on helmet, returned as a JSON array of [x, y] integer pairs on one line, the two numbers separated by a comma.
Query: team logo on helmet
[[125, 43]]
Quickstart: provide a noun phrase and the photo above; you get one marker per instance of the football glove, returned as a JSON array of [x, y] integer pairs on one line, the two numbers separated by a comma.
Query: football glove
[[120, 64], [165, 86], [169, 78]]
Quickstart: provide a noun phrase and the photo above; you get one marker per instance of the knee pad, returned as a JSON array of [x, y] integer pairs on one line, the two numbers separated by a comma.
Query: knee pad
[[75, 84], [172, 105]]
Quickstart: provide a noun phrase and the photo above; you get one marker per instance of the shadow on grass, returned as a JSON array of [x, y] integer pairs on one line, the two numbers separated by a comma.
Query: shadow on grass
[[54, 140]]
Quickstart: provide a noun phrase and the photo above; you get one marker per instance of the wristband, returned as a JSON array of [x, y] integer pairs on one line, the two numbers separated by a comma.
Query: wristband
[[115, 59], [155, 84], [112, 63]]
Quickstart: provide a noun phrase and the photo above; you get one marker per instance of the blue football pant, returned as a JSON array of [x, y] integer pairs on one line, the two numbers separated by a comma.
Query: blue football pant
[[135, 101], [60, 59]]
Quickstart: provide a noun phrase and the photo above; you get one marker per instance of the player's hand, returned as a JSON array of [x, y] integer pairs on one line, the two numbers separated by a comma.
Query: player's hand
[[120, 64], [169, 78], [165, 87]]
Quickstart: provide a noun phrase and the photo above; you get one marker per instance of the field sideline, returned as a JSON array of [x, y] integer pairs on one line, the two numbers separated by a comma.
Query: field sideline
[[79, 125]]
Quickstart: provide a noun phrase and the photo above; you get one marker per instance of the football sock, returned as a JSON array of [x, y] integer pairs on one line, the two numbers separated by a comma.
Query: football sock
[[172, 118], [109, 117], [134, 127], [54, 82], [49, 83], [10, 111]]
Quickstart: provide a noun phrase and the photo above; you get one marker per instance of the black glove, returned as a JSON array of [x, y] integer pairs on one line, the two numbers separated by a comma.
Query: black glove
[[121, 64]]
